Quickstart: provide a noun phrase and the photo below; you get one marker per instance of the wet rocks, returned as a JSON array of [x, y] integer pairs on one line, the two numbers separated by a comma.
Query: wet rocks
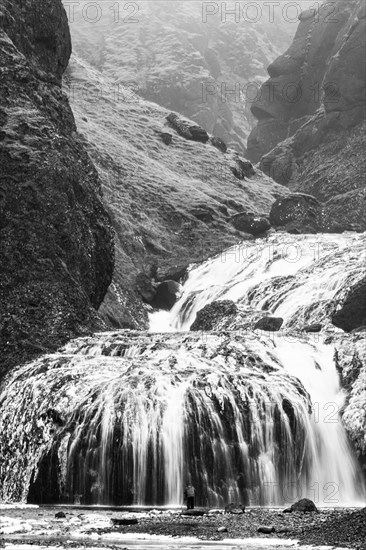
[[302, 505], [298, 209], [250, 223], [117, 522], [167, 293], [145, 287], [233, 508], [270, 324], [352, 314], [60, 515], [187, 128], [209, 317], [315, 327]]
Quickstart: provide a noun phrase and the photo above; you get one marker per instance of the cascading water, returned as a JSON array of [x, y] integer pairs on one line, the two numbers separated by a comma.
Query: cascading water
[[128, 417]]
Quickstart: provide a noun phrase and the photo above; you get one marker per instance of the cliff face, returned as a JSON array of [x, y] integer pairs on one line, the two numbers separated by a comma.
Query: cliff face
[[310, 132], [56, 243]]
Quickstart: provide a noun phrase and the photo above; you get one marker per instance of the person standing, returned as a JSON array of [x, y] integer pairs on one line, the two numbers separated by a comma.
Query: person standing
[[189, 494]]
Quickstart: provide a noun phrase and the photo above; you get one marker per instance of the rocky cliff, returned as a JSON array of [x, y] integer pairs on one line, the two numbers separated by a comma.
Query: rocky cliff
[[56, 240], [310, 134]]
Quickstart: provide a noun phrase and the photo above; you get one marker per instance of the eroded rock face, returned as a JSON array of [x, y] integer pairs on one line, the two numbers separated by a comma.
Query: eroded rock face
[[209, 317], [56, 240], [352, 314], [310, 132]]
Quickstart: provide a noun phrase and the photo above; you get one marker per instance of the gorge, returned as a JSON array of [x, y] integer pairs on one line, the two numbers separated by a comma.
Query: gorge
[[117, 178]]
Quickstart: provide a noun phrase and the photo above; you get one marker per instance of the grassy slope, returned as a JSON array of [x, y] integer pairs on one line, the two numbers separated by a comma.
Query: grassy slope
[[151, 188]]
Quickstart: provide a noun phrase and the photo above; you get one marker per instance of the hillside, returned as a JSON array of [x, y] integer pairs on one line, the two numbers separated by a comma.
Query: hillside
[[182, 56], [170, 204]]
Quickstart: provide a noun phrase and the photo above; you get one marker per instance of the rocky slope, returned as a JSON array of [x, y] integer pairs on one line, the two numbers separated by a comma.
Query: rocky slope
[[56, 240], [310, 134], [187, 56], [170, 203]]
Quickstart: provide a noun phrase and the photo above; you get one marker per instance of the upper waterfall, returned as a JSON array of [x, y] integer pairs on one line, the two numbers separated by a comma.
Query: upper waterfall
[[295, 278]]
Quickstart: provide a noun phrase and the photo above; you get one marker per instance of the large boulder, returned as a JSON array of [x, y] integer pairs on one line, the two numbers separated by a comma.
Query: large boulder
[[302, 505], [297, 210], [352, 314], [250, 223], [56, 243], [209, 317], [270, 324], [187, 129]]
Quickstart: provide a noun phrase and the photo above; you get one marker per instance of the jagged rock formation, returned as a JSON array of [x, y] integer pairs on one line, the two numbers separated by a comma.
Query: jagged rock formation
[[56, 241], [310, 134], [206, 66], [352, 314]]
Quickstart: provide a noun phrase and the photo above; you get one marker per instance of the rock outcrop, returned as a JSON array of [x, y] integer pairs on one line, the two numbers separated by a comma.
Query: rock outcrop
[[352, 313], [310, 134], [56, 240]]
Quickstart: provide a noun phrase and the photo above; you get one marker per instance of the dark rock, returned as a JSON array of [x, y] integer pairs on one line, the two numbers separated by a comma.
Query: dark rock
[[219, 144], [233, 508], [266, 530], [241, 168], [124, 521], [203, 214], [353, 311], [208, 317], [269, 324], [56, 244], [178, 273], [187, 128], [166, 138], [60, 515], [250, 223], [316, 327], [145, 287], [299, 208], [167, 293], [303, 505], [196, 512]]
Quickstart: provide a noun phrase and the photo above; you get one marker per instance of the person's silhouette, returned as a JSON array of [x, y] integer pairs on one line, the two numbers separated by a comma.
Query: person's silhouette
[[189, 494]]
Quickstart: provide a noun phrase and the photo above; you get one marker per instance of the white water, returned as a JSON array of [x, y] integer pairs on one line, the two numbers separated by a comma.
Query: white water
[[288, 275], [313, 269]]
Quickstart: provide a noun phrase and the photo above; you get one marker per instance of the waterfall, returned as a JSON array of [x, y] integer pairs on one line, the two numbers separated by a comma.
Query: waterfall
[[129, 417]]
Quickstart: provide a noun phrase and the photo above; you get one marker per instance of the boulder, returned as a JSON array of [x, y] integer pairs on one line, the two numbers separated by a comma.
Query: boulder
[[208, 317], [167, 293], [266, 529], [221, 529], [315, 327], [203, 214], [352, 314], [188, 129], [297, 208], [145, 287], [241, 168], [270, 324], [233, 508], [303, 505], [219, 144], [166, 138], [250, 223], [60, 515]]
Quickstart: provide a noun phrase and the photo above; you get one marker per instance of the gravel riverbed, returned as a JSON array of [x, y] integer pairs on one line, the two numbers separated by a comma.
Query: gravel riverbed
[[330, 527]]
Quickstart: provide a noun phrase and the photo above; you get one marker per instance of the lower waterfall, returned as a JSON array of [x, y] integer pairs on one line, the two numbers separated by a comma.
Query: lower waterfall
[[128, 418]]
